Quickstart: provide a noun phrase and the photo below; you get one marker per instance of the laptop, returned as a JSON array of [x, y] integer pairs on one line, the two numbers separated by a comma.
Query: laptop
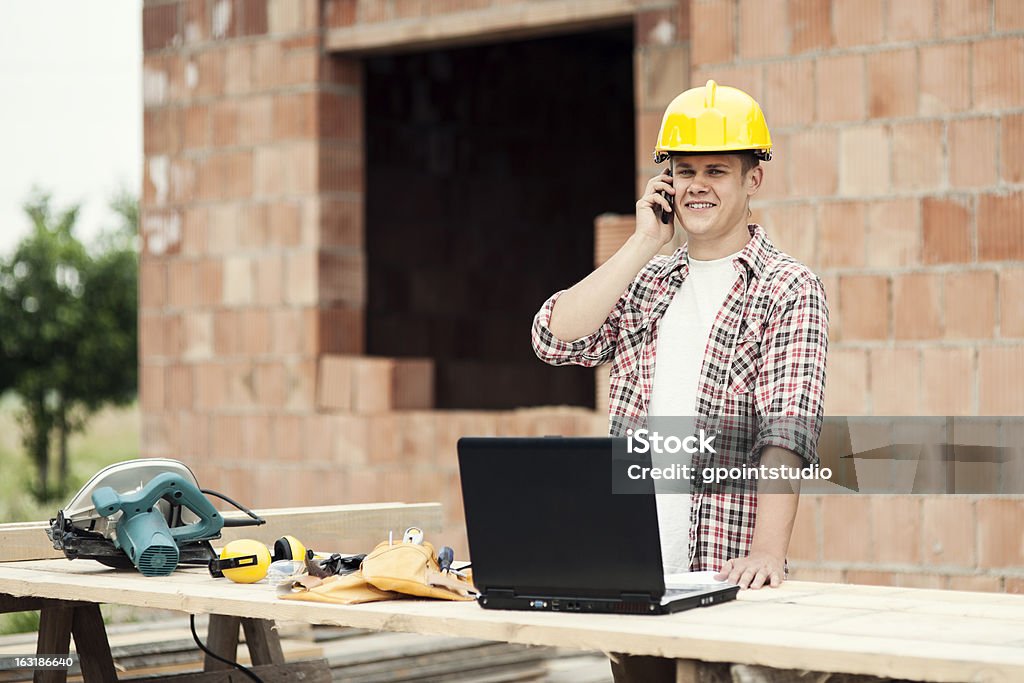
[[546, 532]]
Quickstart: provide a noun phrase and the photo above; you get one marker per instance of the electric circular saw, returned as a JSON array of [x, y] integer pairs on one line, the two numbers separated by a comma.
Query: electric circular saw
[[149, 514]]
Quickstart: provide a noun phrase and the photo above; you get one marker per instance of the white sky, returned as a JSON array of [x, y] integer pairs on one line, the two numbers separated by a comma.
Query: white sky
[[70, 107]]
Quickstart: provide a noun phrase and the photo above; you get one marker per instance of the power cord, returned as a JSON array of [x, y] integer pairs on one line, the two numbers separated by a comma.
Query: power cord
[[211, 653]]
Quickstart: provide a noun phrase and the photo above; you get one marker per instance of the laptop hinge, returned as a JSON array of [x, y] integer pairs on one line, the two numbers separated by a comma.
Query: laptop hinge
[[637, 597]]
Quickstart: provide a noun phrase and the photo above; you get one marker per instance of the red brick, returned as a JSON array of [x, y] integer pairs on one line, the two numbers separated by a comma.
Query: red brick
[[857, 22], [289, 437], [251, 17], [792, 229], [159, 26], [342, 278], [841, 88], [864, 167], [334, 383], [803, 543], [975, 583], [268, 276], [917, 312], [970, 304], [775, 182], [841, 237], [972, 156], [210, 385], [1011, 161], [301, 385], [892, 83], [340, 117], [948, 384], [917, 155], [813, 161], [1014, 585], [162, 131], [178, 384], [788, 100], [197, 335], [1009, 15], [657, 26], [413, 384], [946, 231], [846, 389], [1000, 533], [341, 223], [151, 387], [351, 440], [197, 21], [208, 68], [295, 116], [945, 78], [209, 281], [301, 277], [1000, 378], [896, 522], [662, 73], [964, 17], [810, 23], [864, 308], [710, 47], [1011, 302], [339, 330], [339, 13], [895, 382], [846, 521], [911, 20], [372, 385], [181, 283], [746, 77], [949, 531], [254, 329], [763, 28], [224, 123], [195, 127], [894, 233], [238, 61], [152, 282], [998, 73], [270, 384], [341, 168], [1000, 237]]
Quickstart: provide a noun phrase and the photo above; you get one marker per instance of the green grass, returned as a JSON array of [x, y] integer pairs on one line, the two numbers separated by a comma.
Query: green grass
[[111, 436]]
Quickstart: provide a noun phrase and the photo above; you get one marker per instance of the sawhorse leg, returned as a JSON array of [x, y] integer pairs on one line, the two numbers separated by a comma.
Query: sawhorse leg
[[59, 620], [260, 636]]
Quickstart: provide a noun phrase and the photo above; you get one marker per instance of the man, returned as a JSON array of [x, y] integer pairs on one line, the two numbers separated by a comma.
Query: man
[[726, 329]]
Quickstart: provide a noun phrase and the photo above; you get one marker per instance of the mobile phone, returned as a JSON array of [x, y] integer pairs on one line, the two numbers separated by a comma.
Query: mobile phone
[[666, 216]]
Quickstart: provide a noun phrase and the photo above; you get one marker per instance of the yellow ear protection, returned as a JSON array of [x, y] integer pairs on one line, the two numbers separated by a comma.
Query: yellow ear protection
[[246, 561], [289, 548]]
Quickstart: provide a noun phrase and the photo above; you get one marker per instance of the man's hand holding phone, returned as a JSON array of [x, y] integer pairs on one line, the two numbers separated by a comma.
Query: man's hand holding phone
[[655, 211]]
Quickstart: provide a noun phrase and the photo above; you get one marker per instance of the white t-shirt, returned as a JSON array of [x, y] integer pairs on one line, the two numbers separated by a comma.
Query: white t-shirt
[[682, 338]]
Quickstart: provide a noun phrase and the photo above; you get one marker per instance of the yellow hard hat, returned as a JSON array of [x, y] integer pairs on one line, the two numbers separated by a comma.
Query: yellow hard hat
[[242, 561], [713, 118]]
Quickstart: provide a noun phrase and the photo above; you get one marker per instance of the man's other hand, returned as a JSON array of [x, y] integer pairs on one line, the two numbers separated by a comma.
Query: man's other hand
[[753, 571]]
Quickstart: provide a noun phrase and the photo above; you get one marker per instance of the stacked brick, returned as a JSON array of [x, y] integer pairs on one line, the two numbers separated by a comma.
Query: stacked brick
[[898, 178]]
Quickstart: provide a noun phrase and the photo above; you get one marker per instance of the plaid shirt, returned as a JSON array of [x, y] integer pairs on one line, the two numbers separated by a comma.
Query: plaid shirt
[[764, 365]]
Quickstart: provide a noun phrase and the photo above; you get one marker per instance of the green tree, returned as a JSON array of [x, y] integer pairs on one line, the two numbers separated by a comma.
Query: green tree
[[68, 328]]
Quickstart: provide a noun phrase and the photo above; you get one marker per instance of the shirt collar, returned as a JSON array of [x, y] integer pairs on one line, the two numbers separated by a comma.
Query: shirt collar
[[755, 254]]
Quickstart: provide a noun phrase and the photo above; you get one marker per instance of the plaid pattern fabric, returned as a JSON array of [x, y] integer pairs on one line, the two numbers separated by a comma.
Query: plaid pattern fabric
[[764, 366]]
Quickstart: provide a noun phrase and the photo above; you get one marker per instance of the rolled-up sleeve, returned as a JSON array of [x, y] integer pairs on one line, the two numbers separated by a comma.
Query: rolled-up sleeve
[[791, 383], [589, 351]]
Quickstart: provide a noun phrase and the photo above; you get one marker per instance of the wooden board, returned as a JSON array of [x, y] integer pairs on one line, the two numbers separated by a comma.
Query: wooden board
[[898, 632], [318, 527], [524, 19]]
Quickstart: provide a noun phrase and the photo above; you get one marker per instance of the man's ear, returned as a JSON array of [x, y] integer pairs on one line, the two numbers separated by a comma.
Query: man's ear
[[755, 177]]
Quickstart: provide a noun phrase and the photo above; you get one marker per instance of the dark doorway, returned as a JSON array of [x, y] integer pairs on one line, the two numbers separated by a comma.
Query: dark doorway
[[485, 169]]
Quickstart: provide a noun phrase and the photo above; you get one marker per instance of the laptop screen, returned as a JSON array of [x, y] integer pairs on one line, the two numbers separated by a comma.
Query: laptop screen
[[542, 520]]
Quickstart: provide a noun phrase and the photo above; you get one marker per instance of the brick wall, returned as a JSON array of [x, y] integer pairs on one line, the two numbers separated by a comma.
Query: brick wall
[[898, 179]]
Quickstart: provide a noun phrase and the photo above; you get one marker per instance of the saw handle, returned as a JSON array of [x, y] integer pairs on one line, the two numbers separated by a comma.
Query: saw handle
[[175, 490]]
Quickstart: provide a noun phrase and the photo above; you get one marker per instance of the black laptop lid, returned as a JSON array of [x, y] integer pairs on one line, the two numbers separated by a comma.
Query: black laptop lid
[[542, 520]]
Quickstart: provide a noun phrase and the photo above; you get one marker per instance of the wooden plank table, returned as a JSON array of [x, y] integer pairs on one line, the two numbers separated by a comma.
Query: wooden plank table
[[915, 634]]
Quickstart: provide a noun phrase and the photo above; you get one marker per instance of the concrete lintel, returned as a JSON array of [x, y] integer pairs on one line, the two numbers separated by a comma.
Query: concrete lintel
[[527, 19]]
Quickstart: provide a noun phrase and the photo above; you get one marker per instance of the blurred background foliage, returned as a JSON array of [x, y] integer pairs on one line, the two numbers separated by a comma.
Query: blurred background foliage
[[68, 332]]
